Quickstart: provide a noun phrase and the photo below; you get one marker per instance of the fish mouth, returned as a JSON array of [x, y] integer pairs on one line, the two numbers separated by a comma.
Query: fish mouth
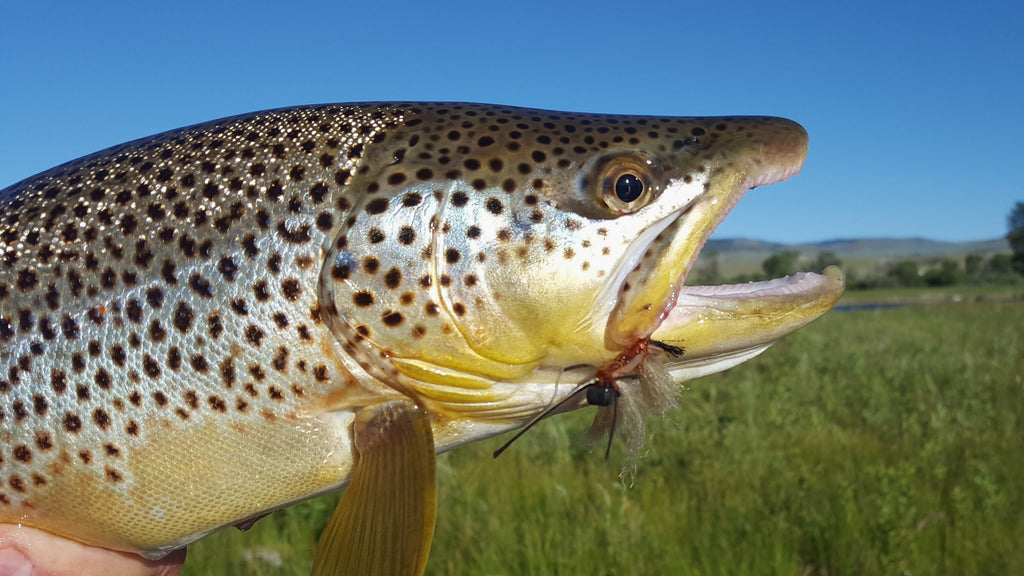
[[717, 327]]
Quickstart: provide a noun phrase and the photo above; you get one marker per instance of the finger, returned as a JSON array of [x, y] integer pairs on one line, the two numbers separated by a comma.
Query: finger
[[26, 551]]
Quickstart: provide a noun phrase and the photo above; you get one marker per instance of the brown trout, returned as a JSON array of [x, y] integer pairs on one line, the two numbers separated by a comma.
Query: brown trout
[[212, 323]]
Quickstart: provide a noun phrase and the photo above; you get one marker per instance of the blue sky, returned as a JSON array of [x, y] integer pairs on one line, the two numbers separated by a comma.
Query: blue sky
[[915, 109]]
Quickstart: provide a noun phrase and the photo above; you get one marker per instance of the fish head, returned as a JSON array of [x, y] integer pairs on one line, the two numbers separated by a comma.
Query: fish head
[[488, 244]]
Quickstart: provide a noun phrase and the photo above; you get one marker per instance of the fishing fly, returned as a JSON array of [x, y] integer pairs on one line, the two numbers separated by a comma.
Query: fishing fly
[[605, 392]]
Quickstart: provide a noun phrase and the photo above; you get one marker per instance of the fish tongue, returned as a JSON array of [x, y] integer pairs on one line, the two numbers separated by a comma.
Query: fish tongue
[[385, 521]]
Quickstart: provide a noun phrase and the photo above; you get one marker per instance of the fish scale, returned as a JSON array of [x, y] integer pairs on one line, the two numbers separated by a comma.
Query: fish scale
[[163, 299], [191, 323]]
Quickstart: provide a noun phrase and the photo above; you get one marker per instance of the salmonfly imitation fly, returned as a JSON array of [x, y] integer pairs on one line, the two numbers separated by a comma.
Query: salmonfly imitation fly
[[604, 390]]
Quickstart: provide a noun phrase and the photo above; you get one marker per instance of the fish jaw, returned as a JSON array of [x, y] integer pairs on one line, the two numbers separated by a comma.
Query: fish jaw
[[718, 327], [772, 150], [709, 329]]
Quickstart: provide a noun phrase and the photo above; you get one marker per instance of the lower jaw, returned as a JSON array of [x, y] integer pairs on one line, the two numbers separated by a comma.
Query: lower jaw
[[720, 326]]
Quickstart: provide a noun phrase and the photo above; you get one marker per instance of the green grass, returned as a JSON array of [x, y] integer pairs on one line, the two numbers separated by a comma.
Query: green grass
[[880, 442]]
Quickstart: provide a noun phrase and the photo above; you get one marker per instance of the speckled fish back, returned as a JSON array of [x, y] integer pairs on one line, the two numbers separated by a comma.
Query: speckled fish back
[[159, 314]]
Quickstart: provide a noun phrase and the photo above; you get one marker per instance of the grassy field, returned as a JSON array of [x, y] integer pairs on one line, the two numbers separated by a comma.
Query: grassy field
[[876, 442]]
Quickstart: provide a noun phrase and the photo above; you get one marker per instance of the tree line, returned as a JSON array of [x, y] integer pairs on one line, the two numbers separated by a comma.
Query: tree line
[[1000, 268], [971, 269]]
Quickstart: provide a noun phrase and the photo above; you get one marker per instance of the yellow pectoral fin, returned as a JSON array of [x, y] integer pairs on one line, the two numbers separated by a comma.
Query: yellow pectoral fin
[[385, 521]]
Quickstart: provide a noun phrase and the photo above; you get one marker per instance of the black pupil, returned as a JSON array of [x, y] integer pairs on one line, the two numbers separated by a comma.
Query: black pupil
[[629, 187]]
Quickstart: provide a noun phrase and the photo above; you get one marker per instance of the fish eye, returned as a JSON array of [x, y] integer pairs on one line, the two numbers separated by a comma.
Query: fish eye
[[628, 182], [626, 186], [629, 187]]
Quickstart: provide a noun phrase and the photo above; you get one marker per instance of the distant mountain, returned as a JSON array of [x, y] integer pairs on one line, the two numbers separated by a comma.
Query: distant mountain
[[860, 255], [872, 248]]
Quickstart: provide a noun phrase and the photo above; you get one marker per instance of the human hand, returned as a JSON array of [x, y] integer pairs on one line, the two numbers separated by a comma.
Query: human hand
[[26, 551]]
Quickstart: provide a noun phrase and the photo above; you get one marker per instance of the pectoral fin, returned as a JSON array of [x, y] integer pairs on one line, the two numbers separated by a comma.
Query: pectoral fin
[[385, 521]]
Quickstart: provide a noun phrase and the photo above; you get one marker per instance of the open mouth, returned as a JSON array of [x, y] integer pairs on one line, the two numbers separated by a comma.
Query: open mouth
[[718, 326]]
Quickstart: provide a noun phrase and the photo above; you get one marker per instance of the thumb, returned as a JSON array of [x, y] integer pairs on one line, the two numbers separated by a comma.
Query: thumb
[[14, 563], [26, 551]]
